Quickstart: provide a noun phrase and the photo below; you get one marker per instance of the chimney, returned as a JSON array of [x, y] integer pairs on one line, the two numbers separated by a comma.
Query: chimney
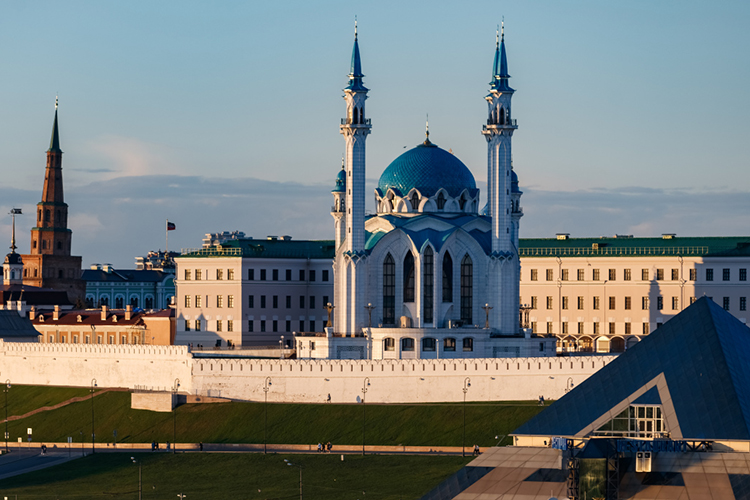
[[56, 313], [104, 312], [128, 311], [32, 313], [22, 308]]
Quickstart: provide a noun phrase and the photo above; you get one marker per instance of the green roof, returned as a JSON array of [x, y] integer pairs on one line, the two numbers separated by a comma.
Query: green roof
[[627, 246], [268, 249]]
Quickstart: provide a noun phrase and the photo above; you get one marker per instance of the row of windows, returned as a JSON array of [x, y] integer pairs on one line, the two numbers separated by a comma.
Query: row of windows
[[428, 344], [48, 244], [199, 301], [627, 303], [124, 339], [311, 275], [726, 274], [188, 274], [262, 325], [288, 303], [595, 328]]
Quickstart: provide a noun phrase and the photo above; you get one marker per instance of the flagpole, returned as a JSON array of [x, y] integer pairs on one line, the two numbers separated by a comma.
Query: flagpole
[[166, 232]]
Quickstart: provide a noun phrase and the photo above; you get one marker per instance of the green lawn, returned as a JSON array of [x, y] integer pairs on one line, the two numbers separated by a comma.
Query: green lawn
[[24, 398], [425, 424], [246, 476]]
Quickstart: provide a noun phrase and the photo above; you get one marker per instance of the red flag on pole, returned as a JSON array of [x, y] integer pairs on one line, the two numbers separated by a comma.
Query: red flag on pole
[[171, 226]]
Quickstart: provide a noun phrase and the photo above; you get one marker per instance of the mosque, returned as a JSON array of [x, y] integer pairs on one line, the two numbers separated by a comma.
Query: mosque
[[430, 275]]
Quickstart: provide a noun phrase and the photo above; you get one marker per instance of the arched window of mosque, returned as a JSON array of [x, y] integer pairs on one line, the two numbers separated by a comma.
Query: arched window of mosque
[[447, 278], [407, 344], [467, 289], [449, 344], [389, 290], [362, 114], [390, 200], [502, 115], [462, 201], [409, 277], [428, 280], [46, 216], [389, 344], [441, 201], [468, 344], [414, 201], [355, 115], [429, 344]]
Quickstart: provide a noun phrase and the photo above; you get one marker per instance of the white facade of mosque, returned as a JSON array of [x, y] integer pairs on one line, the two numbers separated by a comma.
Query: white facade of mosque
[[428, 276]]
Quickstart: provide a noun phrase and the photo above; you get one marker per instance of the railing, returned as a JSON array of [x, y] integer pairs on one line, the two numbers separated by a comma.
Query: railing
[[510, 123], [212, 251], [346, 121], [610, 251]]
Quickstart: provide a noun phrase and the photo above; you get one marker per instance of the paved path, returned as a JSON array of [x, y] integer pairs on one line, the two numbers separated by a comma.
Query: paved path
[[23, 461], [60, 405]]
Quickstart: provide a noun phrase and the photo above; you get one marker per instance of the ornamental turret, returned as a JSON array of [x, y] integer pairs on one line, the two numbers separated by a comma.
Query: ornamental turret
[[339, 205]]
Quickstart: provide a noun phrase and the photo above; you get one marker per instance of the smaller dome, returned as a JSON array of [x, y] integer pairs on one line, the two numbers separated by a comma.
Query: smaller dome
[[514, 182], [340, 186], [13, 258]]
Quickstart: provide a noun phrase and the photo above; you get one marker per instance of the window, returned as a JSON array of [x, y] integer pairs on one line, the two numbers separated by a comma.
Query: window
[[534, 275], [389, 290], [533, 302], [596, 303], [428, 284], [288, 276], [564, 275], [628, 303], [468, 344], [251, 301], [302, 275], [288, 326], [743, 303], [565, 327], [275, 275], [447, 278], [288, 301], [644, 303], [219, 274], [219, 301], [675, 303], [646, 329], [250, 325], [611, 303], [262, 325], [263, 275], [726, 303], [550, 275], [627, 328], [325, 274], [301, 301], [408, 277], [197, 325], [325, 301], [188, 274], [743, 274], [230, 301], [596, 328], [428, 345], [467, 290], [580, 275], [659, 274], [549, 302], [407, 344], [198, 301], [660, 303], [580, 327], [230, 274], [626, 274], [312, 302], [275, 301], [414, 201], [595, 276], [549, 327], [251, 274], [275, 325], [187, 300], [441, 201], [709, 274], [230, 325], [312, 274], [218, 325], [725, 275], [198, 275], [449, 344], [693, 274], [675, 274], [565, 302], [580, 302], [612, 328], [612, 275], [644, 275], [389, 344], [301, 325], [187, 325], [533, 327], [262, 301]]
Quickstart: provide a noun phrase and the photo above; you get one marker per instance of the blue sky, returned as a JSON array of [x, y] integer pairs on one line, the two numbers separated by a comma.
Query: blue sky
[[224, 115]]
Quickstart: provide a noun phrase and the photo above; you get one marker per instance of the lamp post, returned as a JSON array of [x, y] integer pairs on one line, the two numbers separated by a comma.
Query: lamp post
[[140, 477], [467, 384], [174, 415], [487, 308], [300, 476], [265, 419], [93, 435], [6, 391], [369, 308], [365, 383], [281, 348], [83, 453], [329, 307]]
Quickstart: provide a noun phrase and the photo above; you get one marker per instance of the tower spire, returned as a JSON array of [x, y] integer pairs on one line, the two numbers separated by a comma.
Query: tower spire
[[355, 72], [54, 143], [500, 74]]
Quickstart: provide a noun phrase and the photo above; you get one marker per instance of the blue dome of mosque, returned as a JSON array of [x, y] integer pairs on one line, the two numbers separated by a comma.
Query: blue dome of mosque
[[514, 182], [427, 168], [340, 186]]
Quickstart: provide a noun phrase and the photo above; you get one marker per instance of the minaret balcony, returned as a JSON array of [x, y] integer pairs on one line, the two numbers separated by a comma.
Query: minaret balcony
[[347, 122], [511, 124]]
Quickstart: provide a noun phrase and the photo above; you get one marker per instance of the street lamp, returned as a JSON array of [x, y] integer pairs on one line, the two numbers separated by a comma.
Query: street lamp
[[300, 476], [467, 384], [281, 348], [6, 391], [369, 308], [265, 408], [181, 496], [93, 435], [487, 308], [140, 477], [365, 383], [174, 415]]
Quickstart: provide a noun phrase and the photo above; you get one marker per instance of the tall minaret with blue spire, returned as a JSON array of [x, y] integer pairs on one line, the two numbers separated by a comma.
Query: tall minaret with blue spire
[[350, 307], [504, 203]]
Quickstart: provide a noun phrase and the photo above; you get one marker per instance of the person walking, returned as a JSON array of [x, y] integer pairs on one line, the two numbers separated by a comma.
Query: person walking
[[320, 447]]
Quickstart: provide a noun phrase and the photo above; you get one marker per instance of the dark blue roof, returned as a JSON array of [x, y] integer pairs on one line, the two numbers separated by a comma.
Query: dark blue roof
[[340, 186], [514, 182], [500, 69], [355, 73], [704, 355], [54, 143], [427, 168]]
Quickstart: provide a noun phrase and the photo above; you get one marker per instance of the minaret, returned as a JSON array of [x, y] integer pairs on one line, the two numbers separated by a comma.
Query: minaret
[[505, 264], [339, 205], [51, 235], [350, 268], [13, 264]]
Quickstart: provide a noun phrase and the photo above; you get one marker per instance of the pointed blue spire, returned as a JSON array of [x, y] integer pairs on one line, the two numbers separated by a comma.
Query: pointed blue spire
[[54, 143], [500, 67], [355, 74]]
